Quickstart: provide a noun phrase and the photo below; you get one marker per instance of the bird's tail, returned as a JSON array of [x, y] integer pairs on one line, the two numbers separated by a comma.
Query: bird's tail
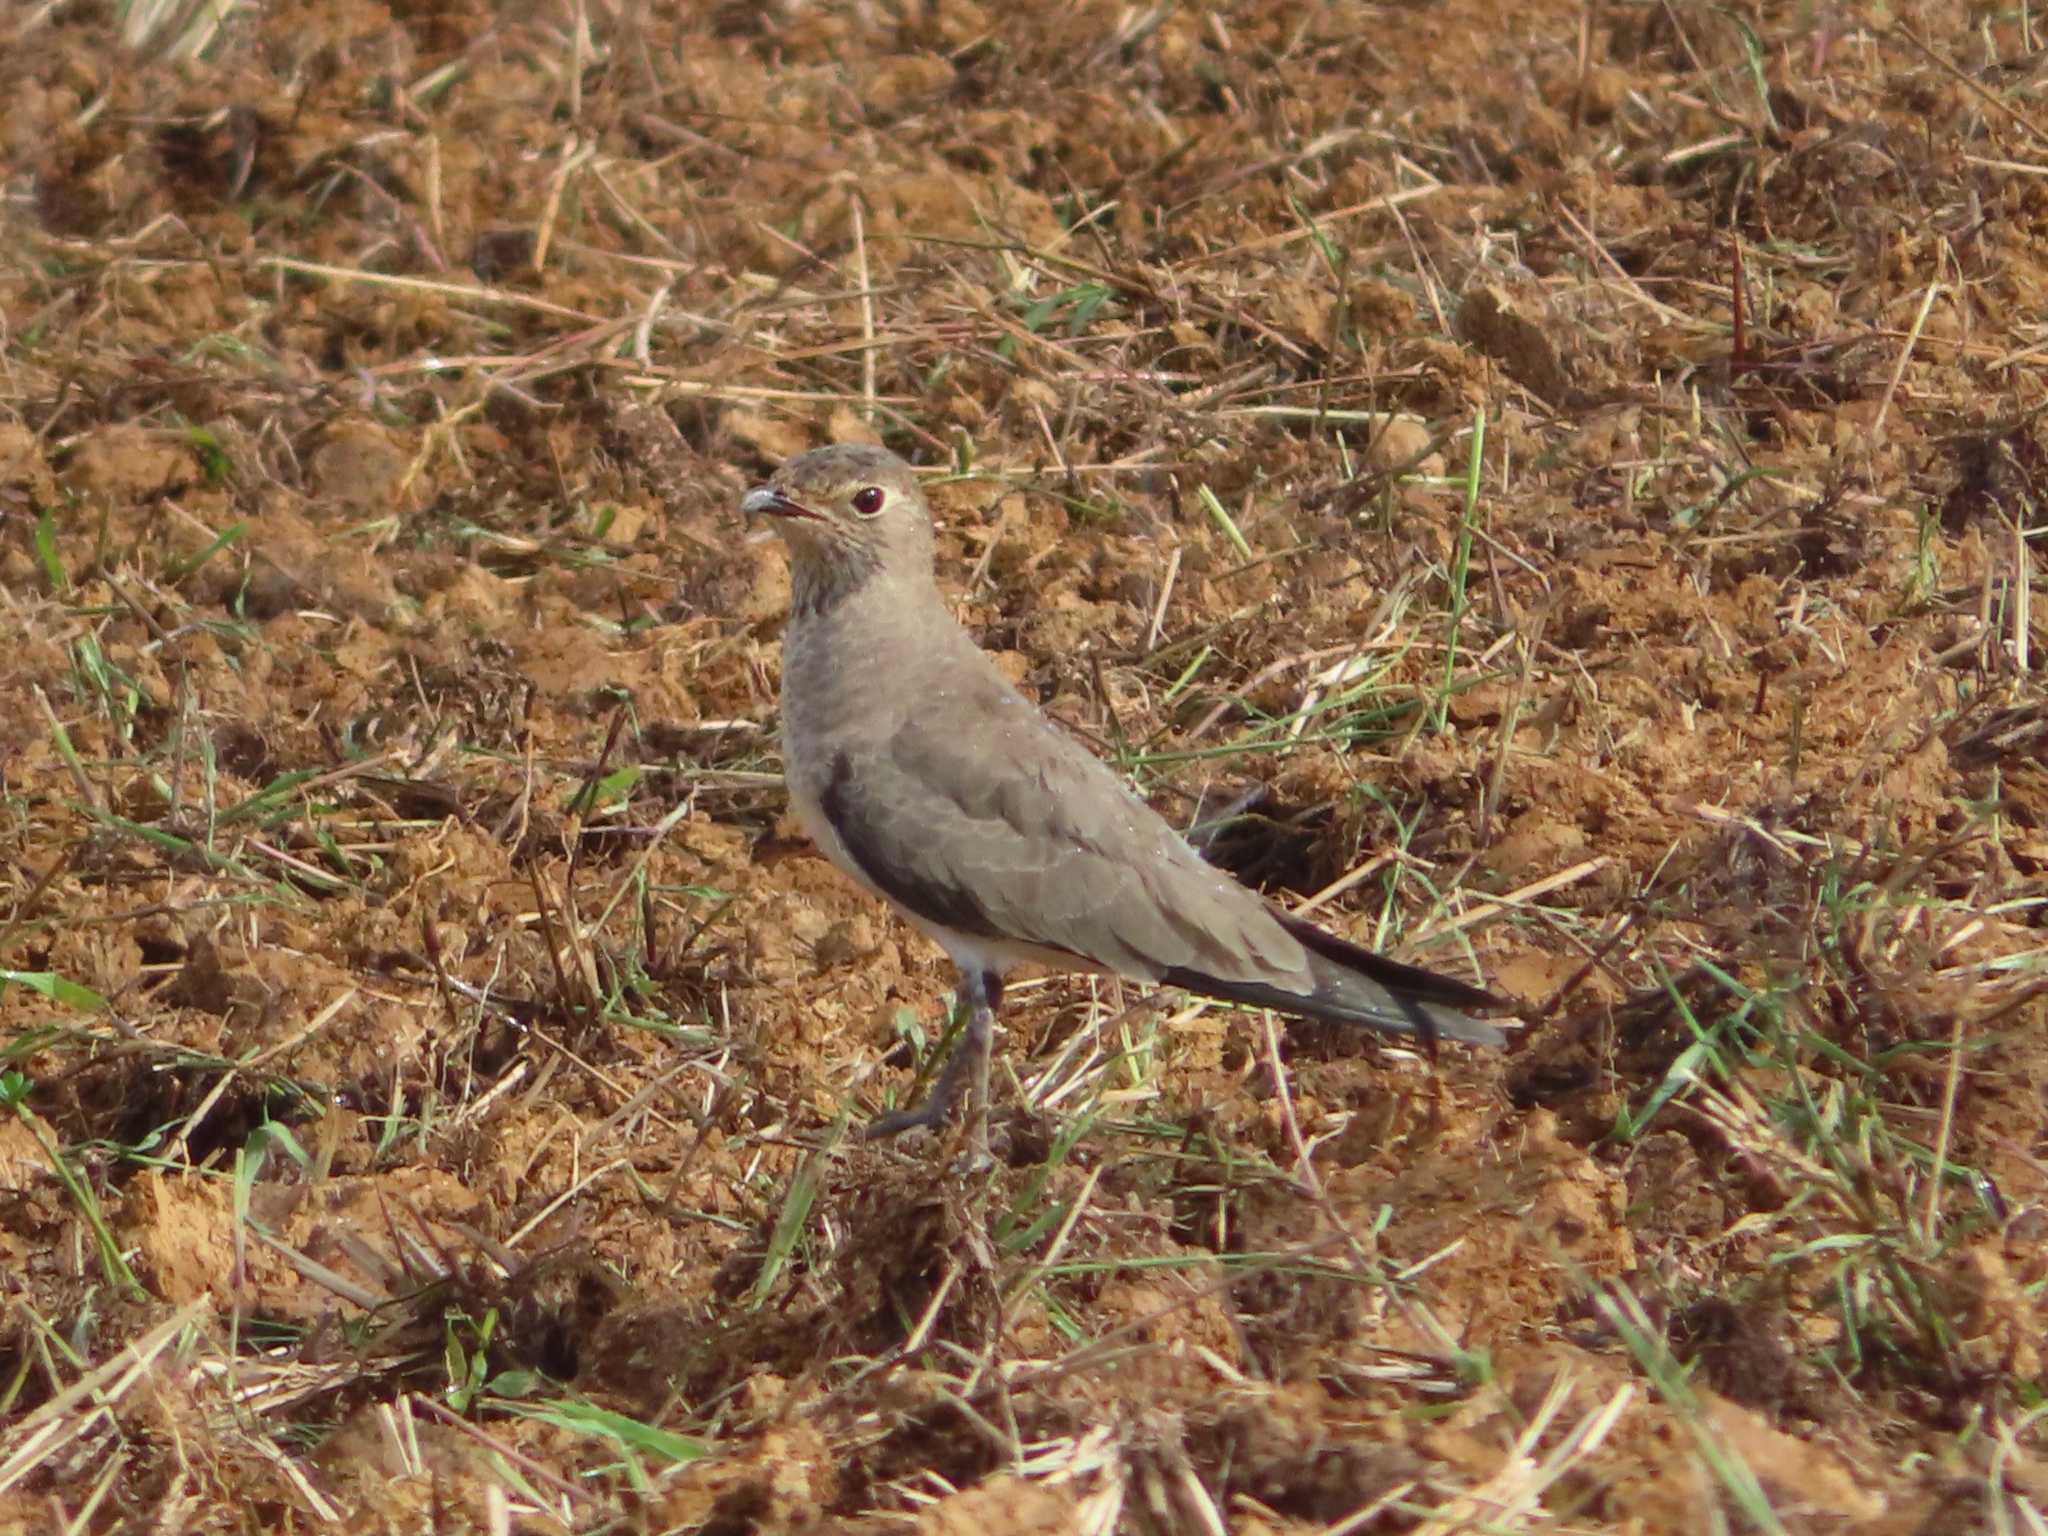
[[1355, 986]]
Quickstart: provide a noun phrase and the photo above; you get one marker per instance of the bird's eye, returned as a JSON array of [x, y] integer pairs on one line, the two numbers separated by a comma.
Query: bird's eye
[[867, 501]]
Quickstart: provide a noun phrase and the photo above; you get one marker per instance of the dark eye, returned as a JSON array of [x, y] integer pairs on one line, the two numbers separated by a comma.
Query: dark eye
[[867, 501]]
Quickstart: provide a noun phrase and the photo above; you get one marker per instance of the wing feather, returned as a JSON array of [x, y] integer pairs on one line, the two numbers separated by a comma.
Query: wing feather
[[1023, 836]]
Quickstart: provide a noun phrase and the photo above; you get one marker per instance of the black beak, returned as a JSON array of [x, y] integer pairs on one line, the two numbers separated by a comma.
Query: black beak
[[767, 499]]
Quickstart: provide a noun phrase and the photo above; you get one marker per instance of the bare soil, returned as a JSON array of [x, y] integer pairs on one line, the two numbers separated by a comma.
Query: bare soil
[[1578, 469]]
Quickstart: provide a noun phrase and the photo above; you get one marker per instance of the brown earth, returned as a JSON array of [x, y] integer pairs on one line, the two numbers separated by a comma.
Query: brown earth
[[431, 1050]]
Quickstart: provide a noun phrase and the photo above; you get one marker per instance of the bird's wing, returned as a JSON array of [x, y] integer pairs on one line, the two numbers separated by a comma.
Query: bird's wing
[[1012, 831], [1355, 985]]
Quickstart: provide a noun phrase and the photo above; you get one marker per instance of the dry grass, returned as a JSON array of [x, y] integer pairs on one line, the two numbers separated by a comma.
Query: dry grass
[[1558, 496]]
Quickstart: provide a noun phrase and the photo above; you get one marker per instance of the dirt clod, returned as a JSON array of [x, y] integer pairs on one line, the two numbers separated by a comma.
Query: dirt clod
[[432, 1058]]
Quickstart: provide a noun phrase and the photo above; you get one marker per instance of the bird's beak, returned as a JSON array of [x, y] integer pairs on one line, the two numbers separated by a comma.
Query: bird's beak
[[767, 499]]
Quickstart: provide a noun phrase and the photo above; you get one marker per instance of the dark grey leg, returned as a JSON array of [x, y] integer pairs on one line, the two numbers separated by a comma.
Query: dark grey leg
[[966, 1068]]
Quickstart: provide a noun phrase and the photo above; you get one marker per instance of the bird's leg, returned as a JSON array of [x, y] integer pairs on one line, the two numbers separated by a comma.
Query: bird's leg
[[966, 1068]]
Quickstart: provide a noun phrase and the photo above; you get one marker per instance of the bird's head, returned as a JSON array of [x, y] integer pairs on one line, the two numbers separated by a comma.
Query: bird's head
[[848, 513]]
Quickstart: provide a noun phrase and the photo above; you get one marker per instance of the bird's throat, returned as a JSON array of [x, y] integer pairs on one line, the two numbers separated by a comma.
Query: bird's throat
[[819, 586]]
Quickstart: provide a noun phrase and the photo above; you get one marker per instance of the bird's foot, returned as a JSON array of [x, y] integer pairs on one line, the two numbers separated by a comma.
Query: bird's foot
[[931, 1115], [965, 1075], [927, 1116]]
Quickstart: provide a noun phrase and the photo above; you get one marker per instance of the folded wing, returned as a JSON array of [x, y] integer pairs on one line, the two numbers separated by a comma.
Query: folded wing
[[1021, 836]]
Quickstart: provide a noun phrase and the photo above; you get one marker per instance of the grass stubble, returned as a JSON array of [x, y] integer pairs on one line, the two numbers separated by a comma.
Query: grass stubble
[[291, 969]]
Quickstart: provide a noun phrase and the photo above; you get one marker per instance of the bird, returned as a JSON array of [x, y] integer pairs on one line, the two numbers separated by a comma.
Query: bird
[[932, 783]]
